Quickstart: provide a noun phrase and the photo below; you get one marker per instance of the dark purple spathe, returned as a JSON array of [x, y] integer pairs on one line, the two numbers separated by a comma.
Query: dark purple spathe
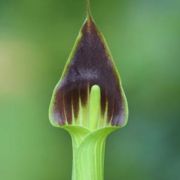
[[90, 65]]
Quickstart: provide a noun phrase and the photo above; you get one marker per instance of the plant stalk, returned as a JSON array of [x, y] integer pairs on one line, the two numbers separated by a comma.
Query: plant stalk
[[88, 154]]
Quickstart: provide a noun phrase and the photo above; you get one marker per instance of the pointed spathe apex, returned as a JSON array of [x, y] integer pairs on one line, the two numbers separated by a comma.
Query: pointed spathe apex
[[90, 77], [88, 8]]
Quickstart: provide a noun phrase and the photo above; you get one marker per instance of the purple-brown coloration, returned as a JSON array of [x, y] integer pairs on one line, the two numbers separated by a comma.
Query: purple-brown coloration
[[90, 65]]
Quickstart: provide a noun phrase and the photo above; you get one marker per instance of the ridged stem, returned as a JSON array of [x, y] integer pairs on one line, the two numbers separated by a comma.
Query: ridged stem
[[88, 154]]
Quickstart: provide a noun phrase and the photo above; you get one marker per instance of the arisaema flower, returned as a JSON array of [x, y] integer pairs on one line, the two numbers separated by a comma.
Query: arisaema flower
[[89, 101]]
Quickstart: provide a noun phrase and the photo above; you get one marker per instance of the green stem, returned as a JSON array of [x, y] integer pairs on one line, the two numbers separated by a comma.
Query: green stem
[[88, 154], [88, 160]]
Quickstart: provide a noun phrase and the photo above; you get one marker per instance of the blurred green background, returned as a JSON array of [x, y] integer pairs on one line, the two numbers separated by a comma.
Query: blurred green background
[[36, 37]]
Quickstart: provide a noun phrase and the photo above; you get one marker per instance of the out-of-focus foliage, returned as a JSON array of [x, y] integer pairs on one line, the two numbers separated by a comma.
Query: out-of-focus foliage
[[35, 40]]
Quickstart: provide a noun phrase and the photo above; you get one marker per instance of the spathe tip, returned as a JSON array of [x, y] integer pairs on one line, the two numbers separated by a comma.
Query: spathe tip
[[88, 9]]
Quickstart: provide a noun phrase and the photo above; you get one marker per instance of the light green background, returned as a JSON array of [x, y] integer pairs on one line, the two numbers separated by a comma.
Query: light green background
[[36, 37]]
